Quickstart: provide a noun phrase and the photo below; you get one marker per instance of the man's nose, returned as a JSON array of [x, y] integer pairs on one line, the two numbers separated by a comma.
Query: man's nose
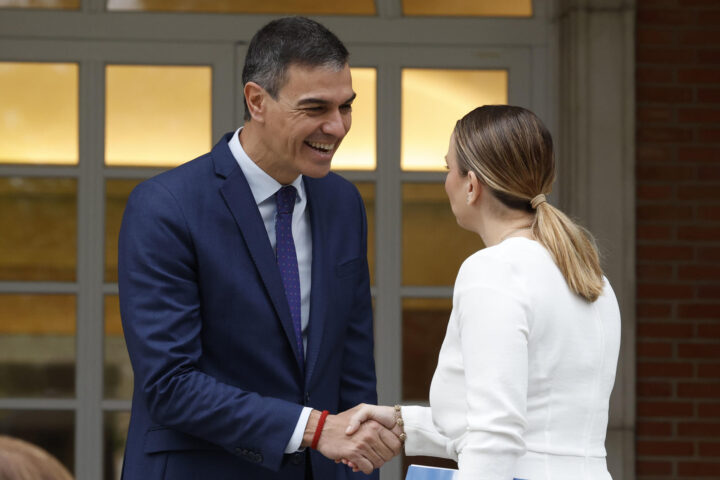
[[336, 124]]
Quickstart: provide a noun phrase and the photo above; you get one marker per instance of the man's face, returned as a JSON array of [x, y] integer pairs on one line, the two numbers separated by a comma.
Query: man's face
[[311, 115]]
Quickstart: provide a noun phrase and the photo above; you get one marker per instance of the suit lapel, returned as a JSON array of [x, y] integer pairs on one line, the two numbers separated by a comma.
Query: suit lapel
[[319, 290], [241, 203]]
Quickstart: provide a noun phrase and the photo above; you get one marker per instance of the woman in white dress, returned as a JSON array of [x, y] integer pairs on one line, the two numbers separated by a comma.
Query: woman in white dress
[[524, 376]]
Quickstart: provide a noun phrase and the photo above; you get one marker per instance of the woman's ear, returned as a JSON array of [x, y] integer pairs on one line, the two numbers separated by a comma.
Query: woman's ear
[[473, 188], [255, 99]]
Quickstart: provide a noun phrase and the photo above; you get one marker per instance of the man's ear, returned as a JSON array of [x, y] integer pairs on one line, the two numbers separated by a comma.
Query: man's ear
[[255, 97], [474, 188]]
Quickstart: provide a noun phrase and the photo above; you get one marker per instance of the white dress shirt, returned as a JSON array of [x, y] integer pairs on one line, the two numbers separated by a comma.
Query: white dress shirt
[[264, 188], [524, 375]]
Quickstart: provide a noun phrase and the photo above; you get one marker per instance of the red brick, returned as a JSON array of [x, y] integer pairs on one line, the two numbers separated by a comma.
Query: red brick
[[699, 390], [700, 37], [698, 192], [709, 254], [664, 448], [709, 410], [661, 252], [699, 75], [654, 232], [664, 291], [655, 36], [707, 331], [699, 154], [663, 212], [709, 135], [654, 349], [711, 57], [654, 389], [709, 370], [699, 115], [666, 17], [665, 172], [699, 429], [664, 409], [709, 173], [654, 192], [664, 330], [655, 4], [665, 134], [645, 467], [700, 234], [698, 272], [654, 429], [708, 292], [656, 310], [664, 94], [654, 272], [698, 3], [665, 369], [708, 212], [710, 95], [698, 350], [699, 469], [709, 449], [654, 115]]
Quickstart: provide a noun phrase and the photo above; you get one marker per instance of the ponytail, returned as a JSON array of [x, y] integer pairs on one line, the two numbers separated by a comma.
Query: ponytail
[[573, 249]]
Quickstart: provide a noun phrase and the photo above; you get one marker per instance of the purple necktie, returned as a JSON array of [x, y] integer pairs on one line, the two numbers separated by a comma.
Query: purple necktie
[[287, 259]]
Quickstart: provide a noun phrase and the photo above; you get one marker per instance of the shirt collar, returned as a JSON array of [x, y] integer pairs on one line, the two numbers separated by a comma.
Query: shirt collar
[[262, 185]]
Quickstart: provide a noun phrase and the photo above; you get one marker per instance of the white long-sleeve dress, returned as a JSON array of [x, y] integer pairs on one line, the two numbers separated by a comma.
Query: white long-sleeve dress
[[524, 376]]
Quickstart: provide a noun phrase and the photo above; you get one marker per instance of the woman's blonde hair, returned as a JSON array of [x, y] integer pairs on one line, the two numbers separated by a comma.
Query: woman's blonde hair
[[20, 460], [511, 152]]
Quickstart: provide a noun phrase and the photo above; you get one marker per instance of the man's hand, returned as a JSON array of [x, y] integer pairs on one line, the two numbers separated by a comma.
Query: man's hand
[[368, 448]]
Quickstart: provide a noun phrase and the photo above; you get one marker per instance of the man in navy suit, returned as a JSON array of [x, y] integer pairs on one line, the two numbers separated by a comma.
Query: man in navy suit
[[244, 287]]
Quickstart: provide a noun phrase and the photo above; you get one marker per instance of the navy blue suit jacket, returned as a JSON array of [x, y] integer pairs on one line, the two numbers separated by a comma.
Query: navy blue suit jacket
[[218, 388]]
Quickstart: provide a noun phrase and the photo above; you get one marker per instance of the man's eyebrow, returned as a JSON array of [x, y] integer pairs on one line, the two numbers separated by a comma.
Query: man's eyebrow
[[320, 101]]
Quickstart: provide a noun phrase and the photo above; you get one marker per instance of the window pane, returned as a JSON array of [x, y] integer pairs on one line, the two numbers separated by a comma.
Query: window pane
[[39, 113], [433, 101], [157, 115], [424, 323], [115, 431], [63, 4], [37, 345], [434, 246], [367, 192], [472, 8], [51, 431], [358, 149], [306, 7], [116, 195], [118, 371], [39, 229]]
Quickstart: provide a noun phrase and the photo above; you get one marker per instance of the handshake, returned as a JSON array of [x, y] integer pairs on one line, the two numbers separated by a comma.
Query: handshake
[[364, 437]]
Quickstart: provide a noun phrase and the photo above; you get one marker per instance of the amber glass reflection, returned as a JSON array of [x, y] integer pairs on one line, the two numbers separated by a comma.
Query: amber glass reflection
[[51, 431], [304, 7], [434, 246], [157, 115], [358, 150], [367, 192], [39, 113], [469, 8], [116, 195], [38, 229], [37, 345], [115, 436], [118, 377], [433, 101]]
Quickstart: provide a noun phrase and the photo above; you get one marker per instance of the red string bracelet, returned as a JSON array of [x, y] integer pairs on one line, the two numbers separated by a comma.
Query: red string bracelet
[[318, 430]]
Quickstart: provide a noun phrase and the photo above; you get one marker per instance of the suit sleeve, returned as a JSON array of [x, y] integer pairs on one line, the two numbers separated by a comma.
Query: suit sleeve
[[162, 322]]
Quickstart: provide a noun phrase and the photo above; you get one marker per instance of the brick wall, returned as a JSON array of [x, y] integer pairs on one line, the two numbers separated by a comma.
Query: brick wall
[[678, 239]]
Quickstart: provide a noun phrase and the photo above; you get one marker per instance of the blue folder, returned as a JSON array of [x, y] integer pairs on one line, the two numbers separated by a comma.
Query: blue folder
[[420, 472]]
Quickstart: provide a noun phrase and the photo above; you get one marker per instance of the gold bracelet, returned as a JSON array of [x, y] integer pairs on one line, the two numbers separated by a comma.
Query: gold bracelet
[[400, 423]]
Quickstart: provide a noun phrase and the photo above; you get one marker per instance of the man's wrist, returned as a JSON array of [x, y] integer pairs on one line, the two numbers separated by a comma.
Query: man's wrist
[[310, 428]]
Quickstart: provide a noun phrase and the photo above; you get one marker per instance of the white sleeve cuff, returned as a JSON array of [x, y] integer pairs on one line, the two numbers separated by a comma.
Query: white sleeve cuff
[[297, 436]]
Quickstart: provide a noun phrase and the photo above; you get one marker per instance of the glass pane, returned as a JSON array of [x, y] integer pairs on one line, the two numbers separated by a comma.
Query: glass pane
[[367, 192], [116, 195], [37, 345], [358, 150], [434, 246], [433, 101], [157, 115], [54, 432], [115, 432], [39, 233], [118, 376], [305, 7], [39, 113], [424, 323], [60, 4], [469, 8]]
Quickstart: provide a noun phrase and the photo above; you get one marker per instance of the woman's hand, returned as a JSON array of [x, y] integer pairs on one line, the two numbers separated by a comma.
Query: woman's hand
[[364, 412]]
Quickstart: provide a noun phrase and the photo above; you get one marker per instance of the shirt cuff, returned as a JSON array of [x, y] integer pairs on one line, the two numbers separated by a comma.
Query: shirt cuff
[[297, 436]]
